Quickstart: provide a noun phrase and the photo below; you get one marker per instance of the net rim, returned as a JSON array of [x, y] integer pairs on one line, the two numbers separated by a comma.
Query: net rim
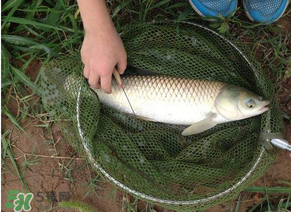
[[155, 199]]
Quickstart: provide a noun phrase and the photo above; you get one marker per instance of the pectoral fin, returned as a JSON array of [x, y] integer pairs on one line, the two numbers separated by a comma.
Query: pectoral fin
[[200, 126]]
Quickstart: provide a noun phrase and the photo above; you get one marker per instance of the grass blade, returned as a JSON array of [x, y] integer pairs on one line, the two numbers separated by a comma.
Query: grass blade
[[34, 9], [17, 40], [159, 4], [5, 84], [177, 5], [11, 157], [285, 182], [269, 189], [54, 16], [11, 117], [23, 49], [288, 203], [12, 11], [4, 64], [184, 14], [25, 80], [75, 27], [8, 5], [33, 23], [120, 7], [44, 48], [4, 150], [79, 205]]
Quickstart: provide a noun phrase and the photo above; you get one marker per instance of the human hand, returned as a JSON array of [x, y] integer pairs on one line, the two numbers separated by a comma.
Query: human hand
[[102, 51]]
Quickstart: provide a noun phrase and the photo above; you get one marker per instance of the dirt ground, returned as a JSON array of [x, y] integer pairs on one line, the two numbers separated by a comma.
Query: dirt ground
[[58, 168]]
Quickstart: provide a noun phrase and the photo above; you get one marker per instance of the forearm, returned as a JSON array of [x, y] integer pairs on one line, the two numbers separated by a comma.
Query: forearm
[[95, 16], [102, 49]]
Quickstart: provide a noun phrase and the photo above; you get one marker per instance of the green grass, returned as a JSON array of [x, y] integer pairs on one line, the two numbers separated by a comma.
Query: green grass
[[7, 151], [36, 31], [269, 189], [83, 207], [93, 183], [265, 200], [265, 204]]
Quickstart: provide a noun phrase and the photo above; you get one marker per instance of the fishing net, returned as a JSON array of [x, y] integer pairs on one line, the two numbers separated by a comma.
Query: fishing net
[[153, 161]]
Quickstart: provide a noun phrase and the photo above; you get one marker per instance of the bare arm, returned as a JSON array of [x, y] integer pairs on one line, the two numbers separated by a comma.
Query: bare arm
[[102, 48]]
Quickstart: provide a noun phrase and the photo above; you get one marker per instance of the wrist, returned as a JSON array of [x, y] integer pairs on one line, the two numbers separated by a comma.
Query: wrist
[[97, 27]]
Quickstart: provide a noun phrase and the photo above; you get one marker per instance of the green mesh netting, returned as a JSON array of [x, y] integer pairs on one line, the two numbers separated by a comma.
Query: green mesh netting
[[154, 161]]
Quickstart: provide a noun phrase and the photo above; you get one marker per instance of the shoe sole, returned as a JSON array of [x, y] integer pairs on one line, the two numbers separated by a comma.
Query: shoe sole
[[249, 16]]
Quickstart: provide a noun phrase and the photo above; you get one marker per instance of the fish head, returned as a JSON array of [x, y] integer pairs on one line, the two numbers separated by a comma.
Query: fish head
[[236, 103]]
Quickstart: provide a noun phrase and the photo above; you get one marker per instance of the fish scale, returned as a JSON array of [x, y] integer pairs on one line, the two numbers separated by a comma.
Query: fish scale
[[164, 99]]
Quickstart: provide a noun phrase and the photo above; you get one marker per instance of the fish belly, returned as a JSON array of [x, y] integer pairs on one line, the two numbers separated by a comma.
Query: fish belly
[[163, 99]]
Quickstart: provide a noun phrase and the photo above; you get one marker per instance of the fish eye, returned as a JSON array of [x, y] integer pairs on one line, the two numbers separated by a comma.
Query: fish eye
[[251, 103]]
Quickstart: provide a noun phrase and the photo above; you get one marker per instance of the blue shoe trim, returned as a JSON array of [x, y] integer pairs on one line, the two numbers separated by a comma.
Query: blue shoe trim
[[202, 10], [258, 16]]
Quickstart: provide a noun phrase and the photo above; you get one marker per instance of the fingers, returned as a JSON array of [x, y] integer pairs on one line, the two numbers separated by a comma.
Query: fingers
[[100, 75], [86, 72], [98, 86], [94, 79], [121, 66], [106, 83]]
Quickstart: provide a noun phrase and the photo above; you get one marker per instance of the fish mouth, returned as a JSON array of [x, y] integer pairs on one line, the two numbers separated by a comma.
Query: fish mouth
[[264, 107]]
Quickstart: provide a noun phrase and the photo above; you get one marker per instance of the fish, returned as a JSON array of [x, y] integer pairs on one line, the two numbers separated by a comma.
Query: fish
[[173, 100]]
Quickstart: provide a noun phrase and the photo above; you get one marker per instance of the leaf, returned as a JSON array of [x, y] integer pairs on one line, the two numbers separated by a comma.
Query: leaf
[[120, 7], [25, 80], [17, 40], [223, 28], [34, 6], [11, 117], [15, 6], [5, 84], [287, 73], [184, 14], [8, 5], [177, 5], [23, 41], [48, 50], [4, 64], [79, 206], [11, 157], [159, 4], [54, 16], [23, 49], [33, 23], [268, 189], [215, 25], [75, 27]]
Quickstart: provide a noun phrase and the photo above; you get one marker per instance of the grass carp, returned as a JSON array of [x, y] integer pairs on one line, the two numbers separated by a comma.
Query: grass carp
[[181, 101]]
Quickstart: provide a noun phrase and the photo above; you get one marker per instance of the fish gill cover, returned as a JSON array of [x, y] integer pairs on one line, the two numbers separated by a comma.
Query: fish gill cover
[[153, 161]]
